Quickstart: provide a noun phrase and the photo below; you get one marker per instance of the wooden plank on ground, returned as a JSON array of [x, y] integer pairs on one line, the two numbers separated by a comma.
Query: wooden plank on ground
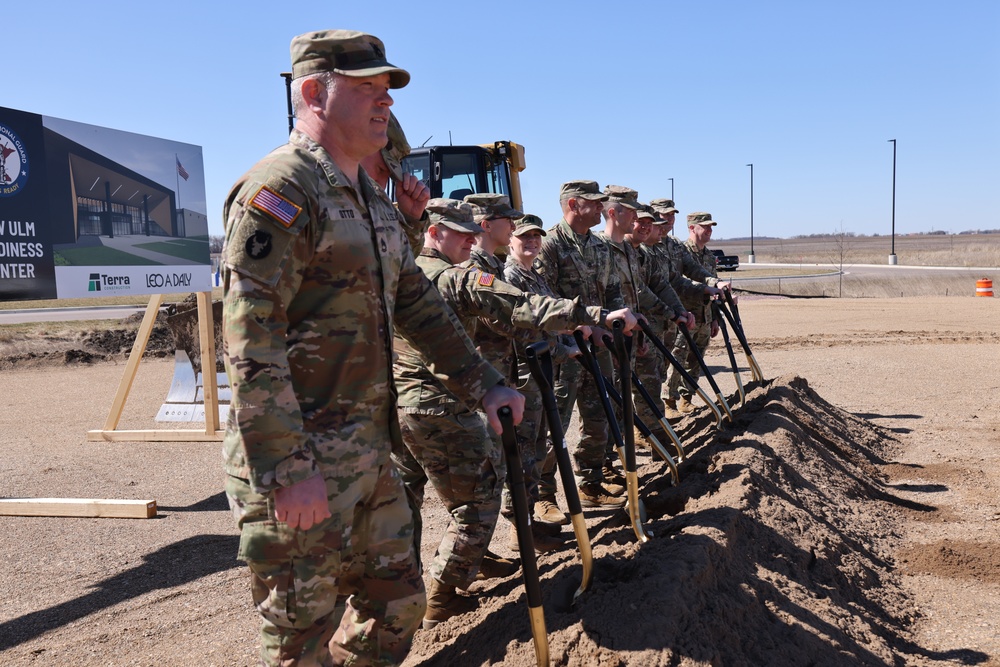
[[78, 507], [171, 435]]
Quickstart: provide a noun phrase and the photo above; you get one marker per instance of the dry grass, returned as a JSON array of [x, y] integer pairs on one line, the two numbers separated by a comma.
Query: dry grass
[[980, 250], [957, 283]]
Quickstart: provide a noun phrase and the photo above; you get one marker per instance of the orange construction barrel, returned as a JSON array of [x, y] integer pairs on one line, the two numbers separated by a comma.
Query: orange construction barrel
[[984, 287]]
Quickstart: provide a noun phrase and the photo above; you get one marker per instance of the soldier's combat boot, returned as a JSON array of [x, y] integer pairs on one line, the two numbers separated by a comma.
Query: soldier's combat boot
[[546, 511], [443, 602], [614, 481], [594, 495], [670, 409], [497, 567], [684, 405], [543, 540]]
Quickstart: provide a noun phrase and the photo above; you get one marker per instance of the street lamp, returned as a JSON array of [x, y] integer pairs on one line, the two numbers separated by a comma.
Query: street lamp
[[752, 258], [671, 188], [892, 252]]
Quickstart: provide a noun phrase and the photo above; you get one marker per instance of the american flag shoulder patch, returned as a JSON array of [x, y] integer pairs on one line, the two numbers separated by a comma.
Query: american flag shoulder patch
[[485, 279], [268, 201]]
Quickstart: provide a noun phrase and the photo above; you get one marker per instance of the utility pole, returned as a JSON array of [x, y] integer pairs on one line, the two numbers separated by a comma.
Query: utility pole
[[671, 189], [892, 251], [752, 258]]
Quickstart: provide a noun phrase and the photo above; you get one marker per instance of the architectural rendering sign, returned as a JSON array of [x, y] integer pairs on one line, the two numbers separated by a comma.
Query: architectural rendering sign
[[91, 211]]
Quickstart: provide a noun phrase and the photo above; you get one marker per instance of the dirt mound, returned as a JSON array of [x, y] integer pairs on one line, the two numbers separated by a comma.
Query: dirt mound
[[65, 343], [773, 550]]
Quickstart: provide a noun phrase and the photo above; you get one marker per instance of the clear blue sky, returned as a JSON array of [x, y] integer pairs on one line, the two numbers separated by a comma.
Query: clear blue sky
[[628, 93]]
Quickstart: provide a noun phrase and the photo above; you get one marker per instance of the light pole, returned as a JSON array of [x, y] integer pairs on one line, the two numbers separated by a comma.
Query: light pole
[[671, 188], [892, 252], [752, 258]]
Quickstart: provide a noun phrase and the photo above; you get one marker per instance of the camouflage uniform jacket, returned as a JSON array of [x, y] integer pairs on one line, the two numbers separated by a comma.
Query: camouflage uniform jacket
[[493, 340], [473, 294], [317, 274], [658, 255], [654, 300], [579, 266], [528, 280], [706, 261], [414, 229], [684, 263]]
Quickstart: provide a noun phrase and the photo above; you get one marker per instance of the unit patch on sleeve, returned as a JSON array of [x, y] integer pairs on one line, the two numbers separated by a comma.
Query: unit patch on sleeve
[[268, 201], [259, 245]]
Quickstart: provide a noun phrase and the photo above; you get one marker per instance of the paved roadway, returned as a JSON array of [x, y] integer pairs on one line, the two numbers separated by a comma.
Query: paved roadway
[[121, 312], [863, 269], [66, 314]]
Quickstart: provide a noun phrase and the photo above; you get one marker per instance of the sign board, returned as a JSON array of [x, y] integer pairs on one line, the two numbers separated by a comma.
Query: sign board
[[88, 211]]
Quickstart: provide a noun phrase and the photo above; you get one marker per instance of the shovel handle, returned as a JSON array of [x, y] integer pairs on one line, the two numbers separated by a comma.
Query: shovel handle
[[525, 544]]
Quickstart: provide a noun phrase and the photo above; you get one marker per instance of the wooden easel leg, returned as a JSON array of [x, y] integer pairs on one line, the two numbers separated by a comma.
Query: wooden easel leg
[[138, 348], [206, 335]]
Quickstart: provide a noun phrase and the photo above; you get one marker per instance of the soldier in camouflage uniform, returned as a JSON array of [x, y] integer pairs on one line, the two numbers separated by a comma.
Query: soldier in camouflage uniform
[[498, 344], [655, 256], [575, 263], [700, 226], [445, 440], [317, 275], [537, 451], [646, 291]]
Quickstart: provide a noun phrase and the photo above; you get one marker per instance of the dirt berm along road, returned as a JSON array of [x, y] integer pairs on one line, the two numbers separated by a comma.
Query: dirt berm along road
[[849, 516]]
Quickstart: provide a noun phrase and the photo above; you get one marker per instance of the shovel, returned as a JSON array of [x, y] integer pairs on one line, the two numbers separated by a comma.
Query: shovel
[[628, 421], [729, 349], [704, 369], [525, 543], [539, 360], [658, 344], [734, 320]]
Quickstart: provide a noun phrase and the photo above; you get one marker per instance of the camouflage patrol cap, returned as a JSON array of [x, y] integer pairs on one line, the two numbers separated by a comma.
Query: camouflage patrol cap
[[529, 223], [494, 205], [582, 190], [663, 206], [346, 52], [396, 149], [454, 214], [627, 197], [701, 218], [646, 211]]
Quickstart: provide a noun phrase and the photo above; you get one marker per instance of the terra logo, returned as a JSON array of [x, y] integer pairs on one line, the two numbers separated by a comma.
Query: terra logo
[[13, 163]]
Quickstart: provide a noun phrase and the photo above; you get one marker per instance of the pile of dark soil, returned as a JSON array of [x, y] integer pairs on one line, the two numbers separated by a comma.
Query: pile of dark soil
[[65, 343], [176, 328], [772, 550]]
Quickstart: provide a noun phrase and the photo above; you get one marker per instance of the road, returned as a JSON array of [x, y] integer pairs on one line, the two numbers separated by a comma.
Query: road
[[67, 314]]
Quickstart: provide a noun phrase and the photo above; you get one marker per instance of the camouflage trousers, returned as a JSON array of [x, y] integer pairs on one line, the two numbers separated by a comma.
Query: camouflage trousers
[[346, 591], [652, 369], [536, 451], [675, 383], [457, 452], [574, 385]]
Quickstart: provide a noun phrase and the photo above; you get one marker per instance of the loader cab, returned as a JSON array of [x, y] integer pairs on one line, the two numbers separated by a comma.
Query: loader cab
[[457, 171]]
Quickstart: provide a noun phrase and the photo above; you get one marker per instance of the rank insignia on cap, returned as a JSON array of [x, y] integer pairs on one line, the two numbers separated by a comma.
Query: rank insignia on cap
[[268, 201], [486, 279]]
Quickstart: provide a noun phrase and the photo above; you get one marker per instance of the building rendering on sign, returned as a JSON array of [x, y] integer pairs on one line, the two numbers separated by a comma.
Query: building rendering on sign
[[102, 197], [83, 206]]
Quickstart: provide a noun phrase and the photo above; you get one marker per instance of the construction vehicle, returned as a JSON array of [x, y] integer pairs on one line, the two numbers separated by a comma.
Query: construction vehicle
[[457, 171]]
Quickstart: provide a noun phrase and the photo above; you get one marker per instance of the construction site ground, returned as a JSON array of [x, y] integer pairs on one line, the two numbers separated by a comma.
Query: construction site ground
[[849, 516]]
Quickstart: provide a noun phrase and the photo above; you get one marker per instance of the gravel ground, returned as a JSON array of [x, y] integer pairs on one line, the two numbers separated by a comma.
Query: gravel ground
[[848, 516]]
